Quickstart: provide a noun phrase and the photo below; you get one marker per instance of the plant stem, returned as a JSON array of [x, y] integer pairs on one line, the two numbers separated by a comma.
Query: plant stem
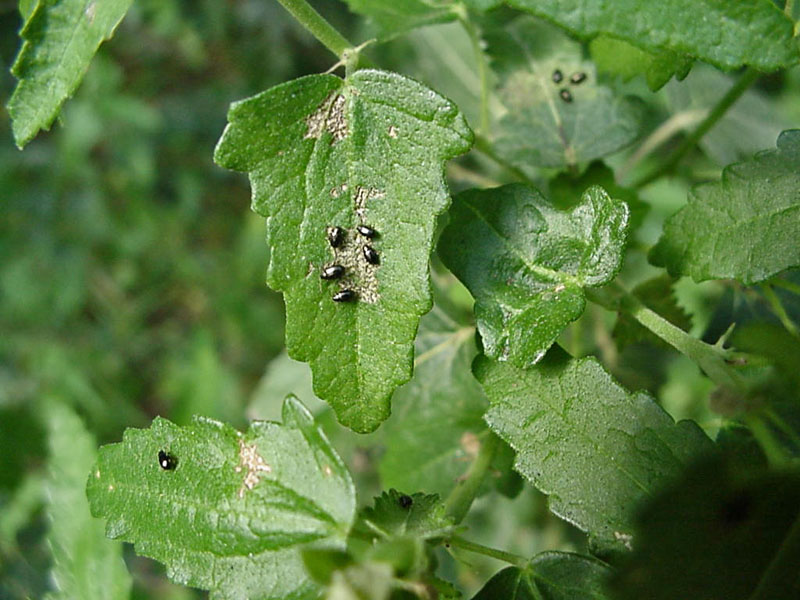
[[325, 33], [513, 559], [780, 312], [483, 70], [710, 358], [460, 499], [781, 579], [733, 94]]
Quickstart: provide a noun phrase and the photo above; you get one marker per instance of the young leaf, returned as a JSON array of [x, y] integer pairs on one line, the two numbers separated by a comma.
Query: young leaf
[[596, 449], [59, 40], [526, 263], [325, 152], [726, 34], [226, 511], [550, 575], [86, 564], [558, 115], [396, 514], [721, 532], [437, 420], [745, 227]]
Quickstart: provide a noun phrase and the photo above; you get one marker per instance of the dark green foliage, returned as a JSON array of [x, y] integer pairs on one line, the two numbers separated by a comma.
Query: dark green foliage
[[134, 315]]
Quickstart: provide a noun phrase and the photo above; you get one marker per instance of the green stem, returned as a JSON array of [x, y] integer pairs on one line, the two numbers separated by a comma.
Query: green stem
[[460, 499], [745, 81], [781, 579], [483, 70], [325, 33], [710, 358], [484, 146], [513, 559], [777, 308]]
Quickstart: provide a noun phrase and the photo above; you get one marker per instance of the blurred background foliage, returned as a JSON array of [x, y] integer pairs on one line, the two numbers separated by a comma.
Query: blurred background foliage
[[132, 271]]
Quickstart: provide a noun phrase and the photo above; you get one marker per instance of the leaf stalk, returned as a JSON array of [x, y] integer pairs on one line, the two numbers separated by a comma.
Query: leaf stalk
[[513, 559], [460, 499], [316, 24]]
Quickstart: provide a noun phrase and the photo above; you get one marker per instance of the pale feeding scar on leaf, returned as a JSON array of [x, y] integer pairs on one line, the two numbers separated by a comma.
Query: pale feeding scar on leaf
[[328, 117], [250, 460], [359, 274]]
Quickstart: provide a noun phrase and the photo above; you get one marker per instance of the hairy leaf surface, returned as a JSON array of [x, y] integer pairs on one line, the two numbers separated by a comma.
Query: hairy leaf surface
[[551, 120], [551, 576], [436, 424], [59, 39], [724, 33], [419, 515], [745, 227], [325, 152], [232, 510], [596, 449], [86, 564], [533, 262], [613, 56]]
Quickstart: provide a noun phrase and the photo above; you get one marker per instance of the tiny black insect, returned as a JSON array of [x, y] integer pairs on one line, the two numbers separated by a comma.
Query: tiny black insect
[[335, 236], [565, 95], [344, 296], [578, 77], [367, 231], [370, 255], [557, 76], [332, 272], [167, 461], [405, 501]]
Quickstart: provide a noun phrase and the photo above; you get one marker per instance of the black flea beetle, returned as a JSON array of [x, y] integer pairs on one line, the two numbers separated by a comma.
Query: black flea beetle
[[335, 236], [370, 255], [405, 501], [565, 95], [344, 296], [167, 461], [557, 76], [578, 77], [332, 272], [367, 231]]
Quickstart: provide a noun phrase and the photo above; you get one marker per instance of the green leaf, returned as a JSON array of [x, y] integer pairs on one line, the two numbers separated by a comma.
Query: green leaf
[[396, 514], [233, 510], [325, 152], [596, 449], [369, 581], [437, 418], [715, 534], [744, 227], [550, 576], [396, 16], [540, 127], [59, 40], [86, 564], [726, 34], [620, 58], [526, 263]]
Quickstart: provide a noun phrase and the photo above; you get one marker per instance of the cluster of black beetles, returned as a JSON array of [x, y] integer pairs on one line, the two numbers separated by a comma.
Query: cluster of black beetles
[[576, 79], [335, 238]]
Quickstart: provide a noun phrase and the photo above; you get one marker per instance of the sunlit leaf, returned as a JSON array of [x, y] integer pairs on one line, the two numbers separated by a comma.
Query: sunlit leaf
[[745, 227], [596, 449], [364, 151], [225, 511], [59, 39], [527, 263], [724, 33]]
